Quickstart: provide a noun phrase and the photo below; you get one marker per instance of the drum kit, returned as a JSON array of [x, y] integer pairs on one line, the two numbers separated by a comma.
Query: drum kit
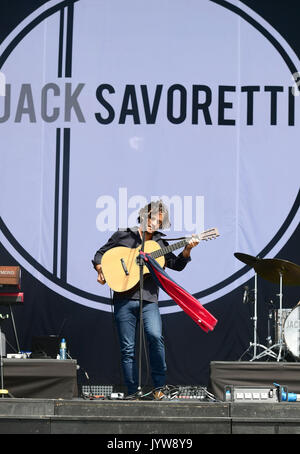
[[287, 321]]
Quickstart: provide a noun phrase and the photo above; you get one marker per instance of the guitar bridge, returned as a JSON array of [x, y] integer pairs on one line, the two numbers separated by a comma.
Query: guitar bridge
[[124, 267]]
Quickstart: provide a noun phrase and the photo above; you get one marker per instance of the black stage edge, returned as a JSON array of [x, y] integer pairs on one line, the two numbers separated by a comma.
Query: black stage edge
[[175, 418], [150, 418], [251, 373]]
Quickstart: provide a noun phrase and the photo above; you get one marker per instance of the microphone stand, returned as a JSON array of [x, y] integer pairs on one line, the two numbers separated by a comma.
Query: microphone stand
[[3, 392], [141, 266]]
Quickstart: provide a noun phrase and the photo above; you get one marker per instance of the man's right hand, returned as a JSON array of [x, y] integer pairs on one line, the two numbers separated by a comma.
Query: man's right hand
[[100, 277]]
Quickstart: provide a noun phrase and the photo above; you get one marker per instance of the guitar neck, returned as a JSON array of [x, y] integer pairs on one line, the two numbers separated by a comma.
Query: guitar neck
[[206, 235], [172, 247]]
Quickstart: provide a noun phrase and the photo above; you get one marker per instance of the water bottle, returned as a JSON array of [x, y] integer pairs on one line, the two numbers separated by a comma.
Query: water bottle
[[63, 349], [228, 395]]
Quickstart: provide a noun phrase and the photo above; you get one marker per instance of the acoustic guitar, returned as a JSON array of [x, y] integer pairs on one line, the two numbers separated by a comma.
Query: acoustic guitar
[[120, 264]]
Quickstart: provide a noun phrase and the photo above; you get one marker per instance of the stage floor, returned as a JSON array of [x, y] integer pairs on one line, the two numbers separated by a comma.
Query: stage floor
[[209, 413], [118, 418]]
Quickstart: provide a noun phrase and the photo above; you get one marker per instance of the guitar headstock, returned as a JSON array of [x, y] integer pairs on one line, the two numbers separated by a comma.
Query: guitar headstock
[[209, 234]]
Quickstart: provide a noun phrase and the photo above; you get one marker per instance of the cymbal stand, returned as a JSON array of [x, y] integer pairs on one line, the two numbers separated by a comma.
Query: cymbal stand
[[254, 344], [280, 319], [255, 317], [269, 351]]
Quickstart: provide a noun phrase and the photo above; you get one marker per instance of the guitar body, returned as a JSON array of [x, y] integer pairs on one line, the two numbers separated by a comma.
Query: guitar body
[[118, 259]]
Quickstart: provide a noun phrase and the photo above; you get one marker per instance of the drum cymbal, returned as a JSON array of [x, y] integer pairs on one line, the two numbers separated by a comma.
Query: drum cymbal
[[248, 259], [270, 269]]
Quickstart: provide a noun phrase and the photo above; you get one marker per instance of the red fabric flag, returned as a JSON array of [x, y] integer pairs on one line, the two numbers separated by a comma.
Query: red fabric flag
[[185, 300]]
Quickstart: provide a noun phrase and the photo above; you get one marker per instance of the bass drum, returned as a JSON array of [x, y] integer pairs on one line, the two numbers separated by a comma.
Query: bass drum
[[291, 332], [284, 315]]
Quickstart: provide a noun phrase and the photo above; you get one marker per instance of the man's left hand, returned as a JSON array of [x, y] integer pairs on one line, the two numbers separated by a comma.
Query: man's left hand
[[192, 243]]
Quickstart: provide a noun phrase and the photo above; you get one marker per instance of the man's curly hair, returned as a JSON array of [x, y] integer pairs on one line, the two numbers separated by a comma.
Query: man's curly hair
[[154, 208]]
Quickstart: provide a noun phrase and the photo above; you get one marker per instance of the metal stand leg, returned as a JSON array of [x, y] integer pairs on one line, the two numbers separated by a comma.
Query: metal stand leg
[[255, 315], [3, 392], [14, 328], [1, 362], [269, 350], [266, 351], [255, 344], [280, 319]]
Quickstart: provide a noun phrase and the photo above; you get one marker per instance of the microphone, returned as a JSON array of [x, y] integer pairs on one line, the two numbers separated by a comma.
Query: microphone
[[246, 294]]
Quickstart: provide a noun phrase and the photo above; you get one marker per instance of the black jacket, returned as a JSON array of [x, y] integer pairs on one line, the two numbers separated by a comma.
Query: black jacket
[[131, 238]]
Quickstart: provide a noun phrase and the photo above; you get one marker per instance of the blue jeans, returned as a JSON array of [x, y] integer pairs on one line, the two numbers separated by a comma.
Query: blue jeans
[[127, 313]]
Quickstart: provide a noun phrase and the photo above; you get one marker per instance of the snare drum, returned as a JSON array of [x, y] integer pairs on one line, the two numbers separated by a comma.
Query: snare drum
[[291, 332]]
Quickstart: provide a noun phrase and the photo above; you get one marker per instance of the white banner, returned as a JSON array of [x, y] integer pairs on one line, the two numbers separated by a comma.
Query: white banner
[[106, 105]]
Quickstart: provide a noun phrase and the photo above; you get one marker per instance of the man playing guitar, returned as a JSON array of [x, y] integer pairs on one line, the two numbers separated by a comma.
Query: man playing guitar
[[126, 303]]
